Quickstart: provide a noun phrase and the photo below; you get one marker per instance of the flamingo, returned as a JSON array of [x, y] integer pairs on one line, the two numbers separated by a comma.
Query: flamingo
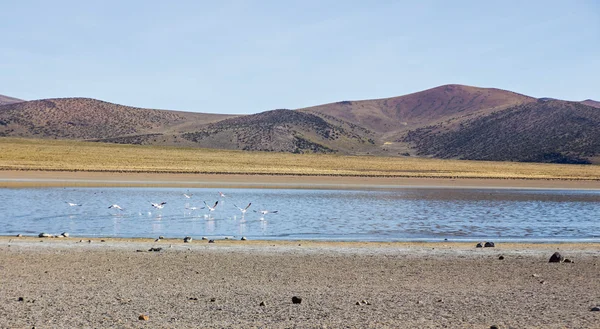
[[73, 204], [159, 205], [116, 206], [243, 210], [211, 209]]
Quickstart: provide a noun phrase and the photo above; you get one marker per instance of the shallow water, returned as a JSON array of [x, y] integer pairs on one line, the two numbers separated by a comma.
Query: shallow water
[[381, 215]]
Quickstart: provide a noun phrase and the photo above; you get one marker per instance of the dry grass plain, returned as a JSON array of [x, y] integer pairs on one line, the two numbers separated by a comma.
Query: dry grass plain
[[60, 155]]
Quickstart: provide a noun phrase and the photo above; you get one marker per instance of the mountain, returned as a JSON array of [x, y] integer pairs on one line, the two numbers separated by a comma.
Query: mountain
[[590, 102], [89, 119], [451, 121], [283, 131], [389, 115], [543, 131], [9, 100]]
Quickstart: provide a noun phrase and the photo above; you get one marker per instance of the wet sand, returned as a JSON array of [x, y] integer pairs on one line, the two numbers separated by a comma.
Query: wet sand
[[13, 178], [68, 283]]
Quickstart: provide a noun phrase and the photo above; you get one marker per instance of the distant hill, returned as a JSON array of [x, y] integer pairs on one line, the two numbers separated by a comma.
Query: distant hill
[[590, 102], [9, 100], [85, 118], [414, 110], [542, 131], [283, 131], [451, 121]]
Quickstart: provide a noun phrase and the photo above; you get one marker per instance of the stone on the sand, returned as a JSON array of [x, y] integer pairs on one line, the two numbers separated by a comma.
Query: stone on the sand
[[187, 239], [262, 304], [143, 317], [595, 309], [501, 257], [212, 300], [489, 244], [493, 326], [155, 249], [479, 245], [556, 258], [21, 299], [568, 260], [296, 300]]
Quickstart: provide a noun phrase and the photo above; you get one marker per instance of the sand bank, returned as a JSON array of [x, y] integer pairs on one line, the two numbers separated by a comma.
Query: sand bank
[[52, 283], [10, 178]]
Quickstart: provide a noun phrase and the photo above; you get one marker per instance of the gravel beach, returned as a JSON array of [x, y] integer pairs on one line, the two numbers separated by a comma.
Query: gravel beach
[[119, 283]]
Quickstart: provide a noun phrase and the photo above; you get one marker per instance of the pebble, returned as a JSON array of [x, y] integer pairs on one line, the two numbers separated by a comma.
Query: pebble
[[595, 309], [296, 300], [556, 258], [489, 244], [144, 317], [479, 245], [193, 298], [187, 239], [568, 260], [501, 257], [243, 238], [21, 299], [212, 300], [493, 326], [155, 249], [262, 304], [102, 240]]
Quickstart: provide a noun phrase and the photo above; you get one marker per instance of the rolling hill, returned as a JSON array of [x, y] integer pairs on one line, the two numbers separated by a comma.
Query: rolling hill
[[451, 121], [390, 115], [9, 100], [89, 119], [543, 131], [283, 131]]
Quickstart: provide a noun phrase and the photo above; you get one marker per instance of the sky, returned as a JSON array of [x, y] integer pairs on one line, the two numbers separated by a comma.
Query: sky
[[242, 57]]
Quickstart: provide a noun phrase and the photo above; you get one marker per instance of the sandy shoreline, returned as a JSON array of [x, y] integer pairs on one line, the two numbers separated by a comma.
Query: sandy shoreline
[[14, 178], [67, 283]]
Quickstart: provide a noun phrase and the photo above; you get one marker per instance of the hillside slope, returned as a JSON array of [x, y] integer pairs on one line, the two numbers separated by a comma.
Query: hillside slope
[[283, 131], [9, 100], [591, 102], [543, 131], [84, 118], [421, 108]]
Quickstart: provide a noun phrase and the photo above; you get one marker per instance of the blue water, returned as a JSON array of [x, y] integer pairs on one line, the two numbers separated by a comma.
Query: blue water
[[379, 215]]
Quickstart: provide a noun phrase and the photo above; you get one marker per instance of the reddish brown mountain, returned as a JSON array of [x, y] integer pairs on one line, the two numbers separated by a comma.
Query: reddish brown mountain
[[84, 118], [421, 108]]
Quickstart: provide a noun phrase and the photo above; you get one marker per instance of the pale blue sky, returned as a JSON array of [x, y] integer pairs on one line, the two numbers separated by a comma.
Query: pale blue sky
[[253, 56]]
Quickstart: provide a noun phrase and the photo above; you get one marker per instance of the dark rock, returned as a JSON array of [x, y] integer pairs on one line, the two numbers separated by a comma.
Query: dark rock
[[357, 303], [501, 257], [595, 309], [155, 249], [212, 300], [193, 298], [21, 299], [211, 241], [187, 239], [568, 260], [296, 300], [489, 244], [139, 250], [493, 326], [262, 304], [556, 258], [102, 240], [479, 245]]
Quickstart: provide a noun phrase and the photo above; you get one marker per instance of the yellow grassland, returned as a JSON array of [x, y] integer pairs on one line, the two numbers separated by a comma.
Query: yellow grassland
[[60, 155]]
